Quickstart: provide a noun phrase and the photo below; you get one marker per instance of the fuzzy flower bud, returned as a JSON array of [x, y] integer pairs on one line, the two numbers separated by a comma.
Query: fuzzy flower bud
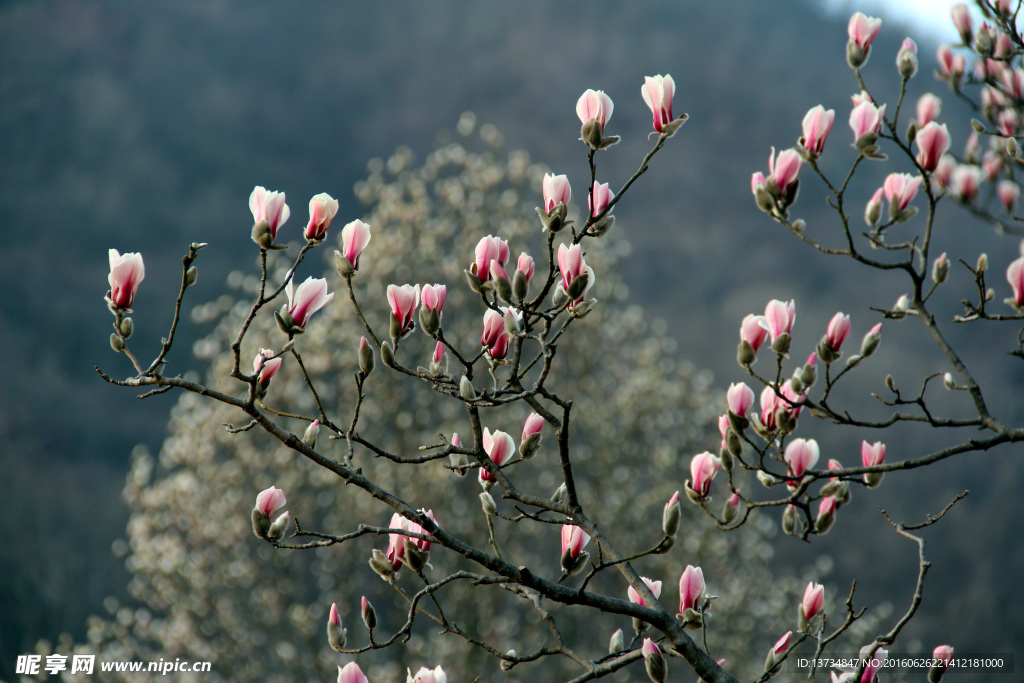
[[906, 59], [335, 633]]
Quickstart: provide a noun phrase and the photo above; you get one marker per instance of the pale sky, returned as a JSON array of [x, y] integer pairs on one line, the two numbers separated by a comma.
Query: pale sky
[[923, 17]]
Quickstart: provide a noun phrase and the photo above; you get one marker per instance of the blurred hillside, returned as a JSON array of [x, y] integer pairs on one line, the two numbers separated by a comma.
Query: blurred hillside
[[144, 126]]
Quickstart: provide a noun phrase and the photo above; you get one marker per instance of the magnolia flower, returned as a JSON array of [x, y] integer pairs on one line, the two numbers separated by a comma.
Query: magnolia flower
[[433, 297], [556, 191], [533, 425], [866, 120], [962, 21], [495, 337], [602, 197], [1008, 192], [965, 182], [754, 330], [489, 249], [932, 142], [779, 317], [838, 330], [351, 674], [862, 30], [1015, 276], [703, 468], [322, 210], [499, 447], [739, 397], [657, 92], [801, 455], [906, 59], [309, 298], [783, 169], [691, 589], [126, 273], [929, 106], [425, 675], [270, 501], [525, 265], [354, 238], [900, 189], [265, 365], [950, 65], [812, 603], [594, 104], [654, 586], [403, 301], [574, 540], [396, 551], [270, 207], [816, 126]]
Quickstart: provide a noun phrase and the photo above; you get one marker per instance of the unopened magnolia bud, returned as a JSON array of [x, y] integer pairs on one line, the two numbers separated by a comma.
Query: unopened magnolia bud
[[671, 515], [795, 383], [789, 520], [520, 285], [488, 504], [655, 664], [1011, 146], [570, 564], [116, 343], [474, 282], [940, 269], [808, 375], [870, 342], [511, 321], [873, 479], [560, 495], [729, 511], [309, 437], [414, 558], [990, 294], [559, 298], [603, 226], [395, 329], [466, 390], [260, 523], [369, 615], [906, 63], [912, 131], [978, 126], [824, 522], [726, 457], [387, 355], [380, 564], [735, 446], [745, 354], [855, 55], [343, 265], [982, 264], [506, 665], [578, 286], [262, 235], [616, 642], [279, 527], [430, 321], [335, 633], [768, 480], [366, 360], [948, 381], [799, 225], [530, 445], [889, 383], [780, 344]]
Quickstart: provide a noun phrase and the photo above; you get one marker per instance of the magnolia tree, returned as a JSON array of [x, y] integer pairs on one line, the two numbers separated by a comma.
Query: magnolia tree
[[500, 412]]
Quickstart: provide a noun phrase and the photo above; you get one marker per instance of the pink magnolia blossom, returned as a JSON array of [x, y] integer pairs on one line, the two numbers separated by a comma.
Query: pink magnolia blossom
[[906, 58], [499, 447], [691, 589], [440, 350], [862, 30], [425, 675], [489, 249], [703, 468], [351, 673], [404, 300], [270, 501], [827, 506], [433, 297], [739, 397], [858, 98], [602, 197], [723, 428], [932, 142], [525, 265], [594, 104], [270, 207], [950, 65], [866, 119], [782, 644], [801, 455], [265, 366], [779, 317], [944, 654], [1008, 122], [495, 337], [396, 541], [962, 21], [783, 169], [929, 106], [838, 330], [816, 126], [571, 265], [1015, 276], [991, 165], [943, 174], [354, 238], [310, 297], [1008, 192], [965, 182], [900, 190], [534, 425], [872, 454], [657, 92], [574, 540], [654, 586], [322, 210], [556, 191], [770, 404], [754, 330], [873, 209], [875, 657], [126, 274], [813, 600], [649, 648]]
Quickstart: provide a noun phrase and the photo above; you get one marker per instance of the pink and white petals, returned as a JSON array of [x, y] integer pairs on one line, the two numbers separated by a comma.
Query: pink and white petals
[[871, 455], [740, 398], [126, 274], [500, 448], [574, 540], [691, 596], [932, 142], [270, 500], [594, 108], [817, 124], [811, 606], [267, 503], [269, 213], [556, 191], [322, 210], [425, 675], [351, 673], [866, 122], [658, 92], [265, 365], [530, 441], [303, 302], [801, 455], [404, 301], [1015, 276], [654, 586], [900, 189], [354, 239], [862, 31], [703, 468]]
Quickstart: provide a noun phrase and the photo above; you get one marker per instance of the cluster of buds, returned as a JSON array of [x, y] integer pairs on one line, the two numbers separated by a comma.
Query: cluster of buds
[[402, 549], [268, 502]]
